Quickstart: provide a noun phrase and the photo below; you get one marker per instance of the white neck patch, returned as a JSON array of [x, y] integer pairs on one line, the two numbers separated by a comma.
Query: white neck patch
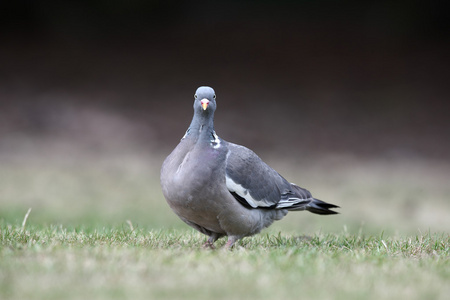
[[216, 141]]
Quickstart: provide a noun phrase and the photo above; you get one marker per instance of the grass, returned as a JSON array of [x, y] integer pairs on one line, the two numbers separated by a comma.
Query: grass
[[100, 229], [55, 262]]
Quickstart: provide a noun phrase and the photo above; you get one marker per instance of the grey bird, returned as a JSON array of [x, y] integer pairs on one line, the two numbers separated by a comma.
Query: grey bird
[[223, 189]]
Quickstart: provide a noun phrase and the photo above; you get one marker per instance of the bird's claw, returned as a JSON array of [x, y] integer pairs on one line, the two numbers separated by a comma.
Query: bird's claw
[[209, 245]]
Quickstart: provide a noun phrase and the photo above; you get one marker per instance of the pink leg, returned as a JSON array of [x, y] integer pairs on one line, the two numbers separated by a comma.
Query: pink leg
[[209, 245], [210, 242], [230, 242]]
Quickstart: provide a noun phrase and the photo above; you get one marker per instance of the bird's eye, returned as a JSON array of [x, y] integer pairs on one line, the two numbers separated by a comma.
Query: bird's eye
[[214, 96], [195, 96]]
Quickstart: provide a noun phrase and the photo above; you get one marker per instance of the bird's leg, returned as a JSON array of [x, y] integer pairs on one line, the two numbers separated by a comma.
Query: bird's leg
[[209, 245], [210, 242], [230, 242]]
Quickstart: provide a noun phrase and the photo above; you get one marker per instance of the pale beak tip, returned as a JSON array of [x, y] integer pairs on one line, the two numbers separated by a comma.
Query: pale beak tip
[[205, 103]]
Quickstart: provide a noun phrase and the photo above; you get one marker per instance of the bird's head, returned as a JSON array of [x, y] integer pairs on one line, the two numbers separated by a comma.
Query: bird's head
[[205, 99]]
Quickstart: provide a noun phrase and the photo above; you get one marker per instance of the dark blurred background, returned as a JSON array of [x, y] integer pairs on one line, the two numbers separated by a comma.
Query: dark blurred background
[[360, 78], [349, 99]]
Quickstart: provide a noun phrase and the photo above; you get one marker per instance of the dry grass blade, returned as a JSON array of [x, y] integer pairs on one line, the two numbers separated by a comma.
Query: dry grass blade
[[24, 222]]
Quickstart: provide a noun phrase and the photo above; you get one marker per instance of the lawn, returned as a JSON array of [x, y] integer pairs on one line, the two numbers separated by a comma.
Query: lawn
[[80, 263], [99, 228]]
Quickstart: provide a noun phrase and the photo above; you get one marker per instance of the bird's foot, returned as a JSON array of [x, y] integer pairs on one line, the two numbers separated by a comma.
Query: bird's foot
[[230, 243], [209, 245]]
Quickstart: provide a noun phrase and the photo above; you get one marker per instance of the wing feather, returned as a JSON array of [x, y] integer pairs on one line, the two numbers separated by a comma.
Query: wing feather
[[252, 181]]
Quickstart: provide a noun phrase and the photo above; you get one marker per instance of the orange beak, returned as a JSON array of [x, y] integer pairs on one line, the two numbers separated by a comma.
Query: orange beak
[[205, 103]]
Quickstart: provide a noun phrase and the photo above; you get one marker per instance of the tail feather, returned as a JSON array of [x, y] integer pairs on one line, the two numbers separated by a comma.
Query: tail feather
[[320, 207], [301, 199]]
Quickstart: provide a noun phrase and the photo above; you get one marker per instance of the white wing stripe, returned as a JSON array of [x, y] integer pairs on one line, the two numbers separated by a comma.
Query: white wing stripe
[[244, 193], [241, 191]]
